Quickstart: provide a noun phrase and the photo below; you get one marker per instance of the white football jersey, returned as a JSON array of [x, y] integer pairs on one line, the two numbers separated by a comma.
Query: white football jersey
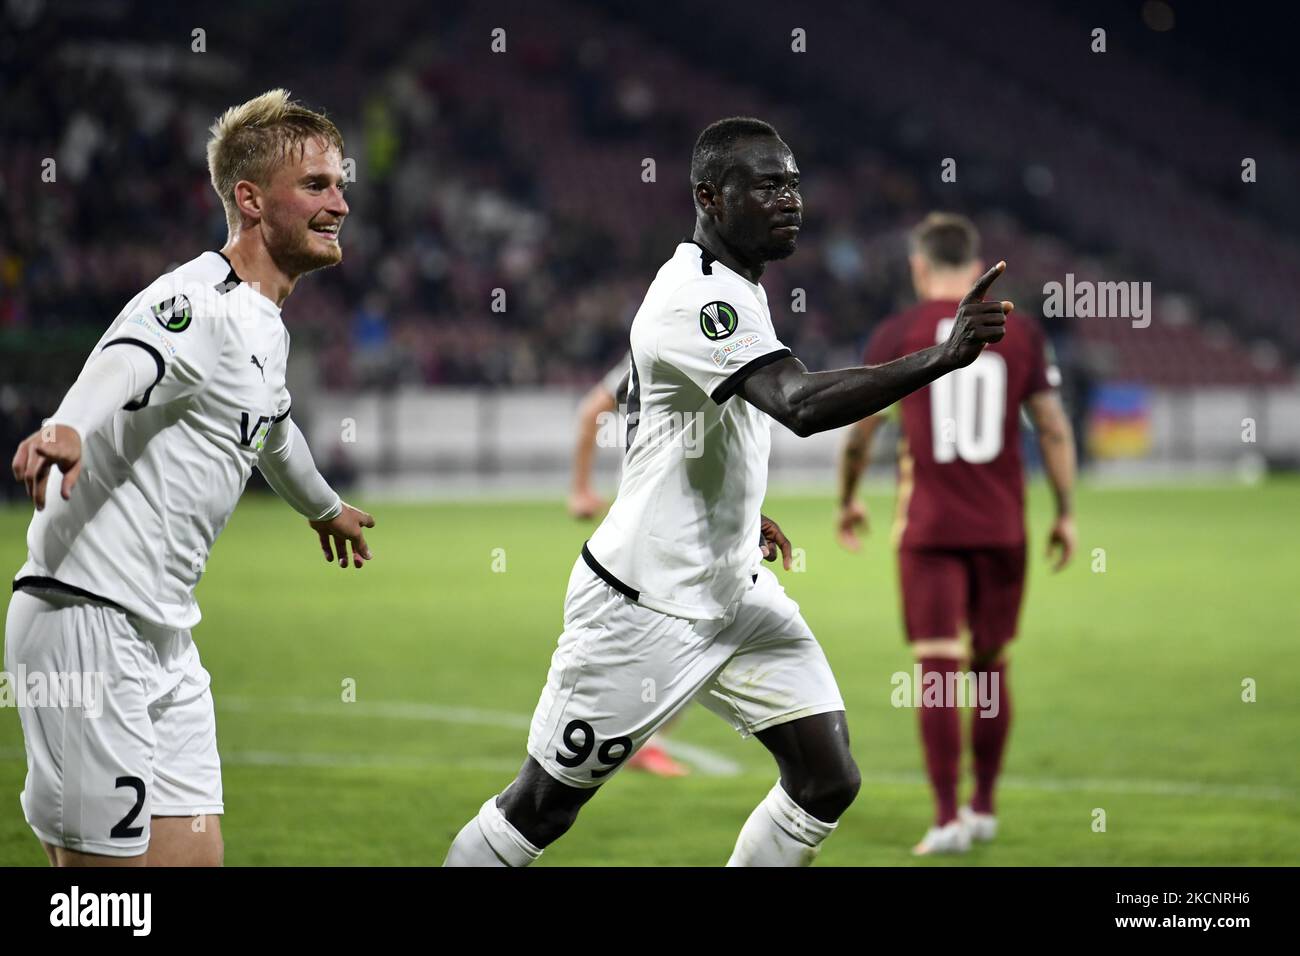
[[682, 536], [162, 477]]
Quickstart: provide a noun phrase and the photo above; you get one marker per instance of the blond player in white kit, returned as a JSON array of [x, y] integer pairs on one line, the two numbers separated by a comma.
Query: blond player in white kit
[[150, 450]]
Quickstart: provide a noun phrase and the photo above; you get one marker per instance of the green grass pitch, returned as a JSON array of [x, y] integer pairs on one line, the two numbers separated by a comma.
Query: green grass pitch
[[1126, 684]]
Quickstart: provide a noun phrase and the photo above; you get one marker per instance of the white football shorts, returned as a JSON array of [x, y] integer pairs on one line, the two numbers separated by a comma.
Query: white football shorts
[[129, 735], [621, 670]]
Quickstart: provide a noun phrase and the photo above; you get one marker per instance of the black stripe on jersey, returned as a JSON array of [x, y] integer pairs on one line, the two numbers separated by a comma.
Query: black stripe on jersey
[[706, 258], [633, 405], [53, 584], [280, 418], [158, 361], [624, 386], [608, 578], [231, 280], [737, 378]]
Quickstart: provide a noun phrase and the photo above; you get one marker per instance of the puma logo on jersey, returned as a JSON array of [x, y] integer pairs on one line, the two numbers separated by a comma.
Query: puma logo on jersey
[[261, 367]]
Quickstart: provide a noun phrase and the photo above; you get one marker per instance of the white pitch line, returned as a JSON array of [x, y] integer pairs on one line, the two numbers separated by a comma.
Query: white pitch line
[[1163, 788], [388, 710], [1174, 788], [708, 762], [712, 763], [272, 758]]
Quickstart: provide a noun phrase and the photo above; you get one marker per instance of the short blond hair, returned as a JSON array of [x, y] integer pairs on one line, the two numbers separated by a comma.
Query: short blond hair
[[250, 140]]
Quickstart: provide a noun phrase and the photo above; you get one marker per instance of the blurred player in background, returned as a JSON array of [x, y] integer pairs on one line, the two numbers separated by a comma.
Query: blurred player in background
[[604, 399], [960, 526], [669, 602], [150, 450]]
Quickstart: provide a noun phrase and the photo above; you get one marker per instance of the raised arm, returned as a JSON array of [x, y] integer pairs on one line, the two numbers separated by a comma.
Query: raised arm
[[810, 402]]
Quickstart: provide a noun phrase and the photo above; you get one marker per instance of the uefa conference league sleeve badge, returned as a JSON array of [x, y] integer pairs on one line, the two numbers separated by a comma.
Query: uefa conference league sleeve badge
[[718, 320], [174, 314]]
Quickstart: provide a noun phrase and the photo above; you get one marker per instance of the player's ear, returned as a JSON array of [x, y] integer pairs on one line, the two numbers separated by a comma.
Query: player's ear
[[707, 197], [248, 198]]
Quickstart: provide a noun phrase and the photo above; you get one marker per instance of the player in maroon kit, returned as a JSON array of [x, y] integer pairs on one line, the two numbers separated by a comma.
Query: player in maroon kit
[[960, 526]]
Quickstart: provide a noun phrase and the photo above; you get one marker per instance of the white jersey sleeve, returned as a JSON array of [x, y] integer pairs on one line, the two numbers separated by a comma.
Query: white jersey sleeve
[[111, 379], [185, 341], [714, 342], [287, 464]]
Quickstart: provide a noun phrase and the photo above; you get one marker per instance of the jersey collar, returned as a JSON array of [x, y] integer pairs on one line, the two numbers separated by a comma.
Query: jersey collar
[[232, 277], [708, 262]]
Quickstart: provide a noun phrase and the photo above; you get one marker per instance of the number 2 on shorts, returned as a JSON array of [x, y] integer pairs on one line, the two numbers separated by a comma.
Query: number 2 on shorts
[[123, 830]]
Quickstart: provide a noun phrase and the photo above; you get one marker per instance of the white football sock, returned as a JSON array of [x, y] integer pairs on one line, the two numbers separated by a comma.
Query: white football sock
[[490, 840], [779, 833]]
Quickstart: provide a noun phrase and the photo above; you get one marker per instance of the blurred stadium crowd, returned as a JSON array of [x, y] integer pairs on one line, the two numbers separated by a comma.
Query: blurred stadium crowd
[[526, 171]]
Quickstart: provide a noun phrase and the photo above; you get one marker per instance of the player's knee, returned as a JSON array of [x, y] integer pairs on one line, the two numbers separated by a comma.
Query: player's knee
[[988, 659], [541, 814], [543, 825], [826, 795], [849, 782], [556, 821], [186, 841]]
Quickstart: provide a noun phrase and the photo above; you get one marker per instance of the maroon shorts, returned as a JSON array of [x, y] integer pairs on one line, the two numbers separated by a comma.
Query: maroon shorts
[[945, 591]]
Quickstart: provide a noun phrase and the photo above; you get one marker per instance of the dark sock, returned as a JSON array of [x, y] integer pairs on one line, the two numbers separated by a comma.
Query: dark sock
[[941, 740], [989, 737]]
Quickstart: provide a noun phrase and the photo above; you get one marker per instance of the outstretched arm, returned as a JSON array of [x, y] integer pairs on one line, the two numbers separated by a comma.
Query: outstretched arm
[[112, 378], [286, 463], [810, 402]]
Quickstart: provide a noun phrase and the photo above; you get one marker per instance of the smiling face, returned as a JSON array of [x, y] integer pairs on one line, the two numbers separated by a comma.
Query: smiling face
[[303, 209], [757, 207]]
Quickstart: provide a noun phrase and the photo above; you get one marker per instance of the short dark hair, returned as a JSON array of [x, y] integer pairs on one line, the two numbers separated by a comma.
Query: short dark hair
[[711, 158], [946, 239]]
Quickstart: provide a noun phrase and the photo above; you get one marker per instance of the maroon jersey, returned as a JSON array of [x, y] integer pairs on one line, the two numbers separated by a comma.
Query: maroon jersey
[[961, 481]]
